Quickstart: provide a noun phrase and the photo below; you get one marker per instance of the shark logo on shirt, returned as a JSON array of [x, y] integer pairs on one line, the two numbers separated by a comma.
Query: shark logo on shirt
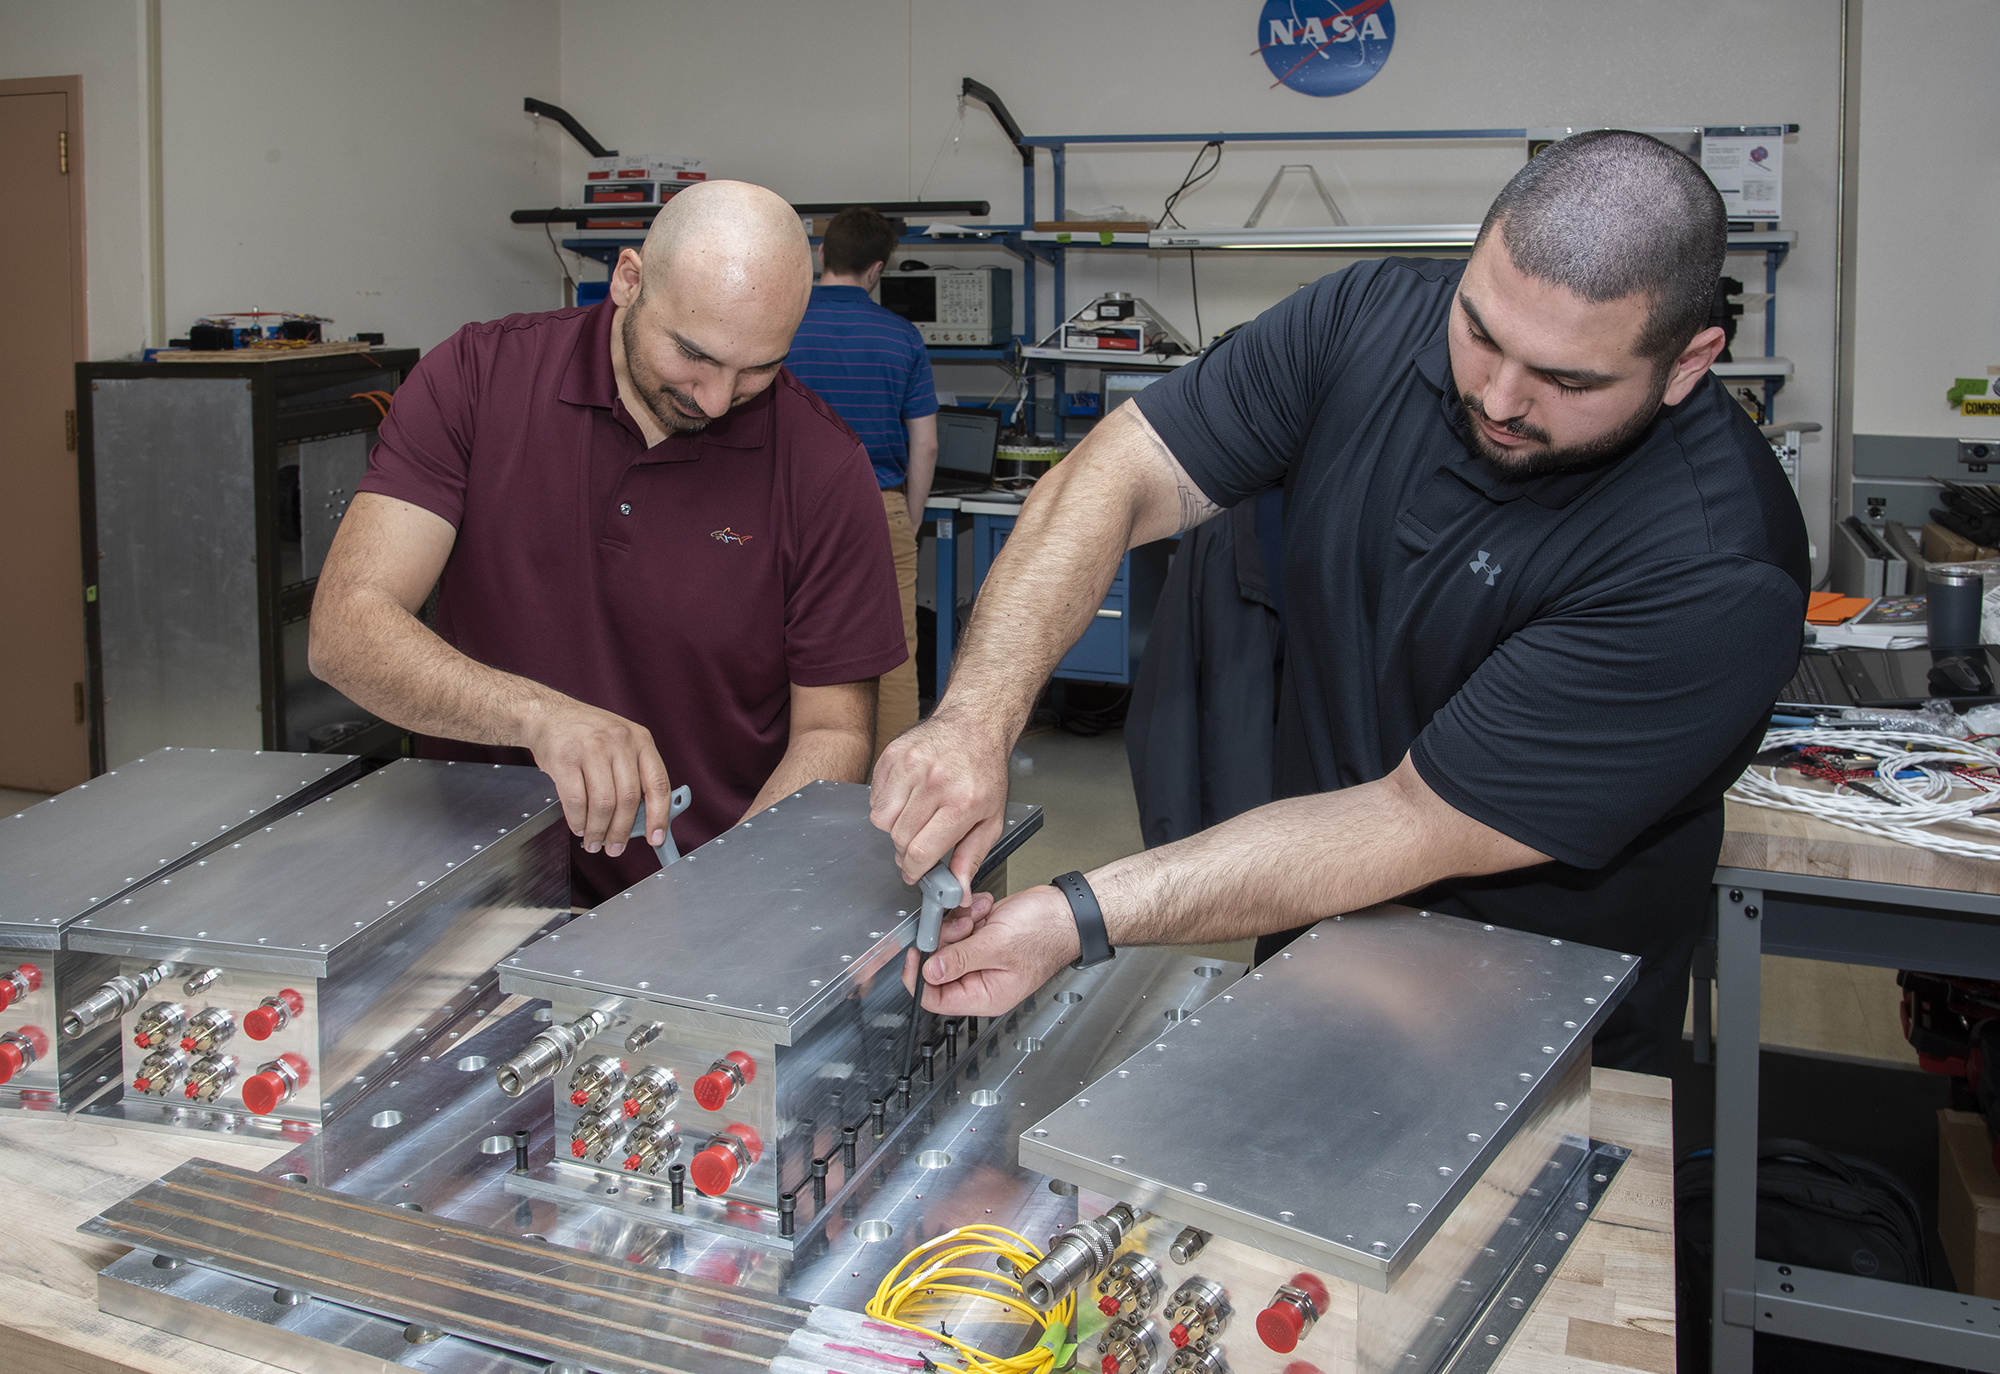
[[726, 535], [1482, 566]]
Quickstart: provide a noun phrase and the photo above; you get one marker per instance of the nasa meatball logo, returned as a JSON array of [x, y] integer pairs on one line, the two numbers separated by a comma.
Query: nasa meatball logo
[[1317, 47]]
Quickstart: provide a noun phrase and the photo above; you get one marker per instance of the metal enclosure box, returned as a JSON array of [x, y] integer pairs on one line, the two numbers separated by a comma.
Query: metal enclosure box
[[1380, 1119], [325, 946], [69, 854], [210, 494], [781, 941]]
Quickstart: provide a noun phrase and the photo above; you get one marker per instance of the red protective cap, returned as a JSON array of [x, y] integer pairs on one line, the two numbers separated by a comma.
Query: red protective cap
[[712, 1089], [631, 1107], [30, 975], [578, 1098], [1108, 1305], [13, 1059], [576, 1148], [262, 1092], [139, 1038], [632, 1163], [259, 1022], [1280, 1325], [187, 1043], [142, 1084], [713, 1170], [1109, 1364], [1179, 1335], [191, 1091]]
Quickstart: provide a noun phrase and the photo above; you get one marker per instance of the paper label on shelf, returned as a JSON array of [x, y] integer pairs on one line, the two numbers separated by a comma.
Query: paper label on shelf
[[1979, 405], [1746, 163]]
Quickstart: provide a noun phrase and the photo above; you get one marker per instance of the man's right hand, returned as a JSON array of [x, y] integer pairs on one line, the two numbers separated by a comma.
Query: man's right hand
[[941, 788], [603, 766]]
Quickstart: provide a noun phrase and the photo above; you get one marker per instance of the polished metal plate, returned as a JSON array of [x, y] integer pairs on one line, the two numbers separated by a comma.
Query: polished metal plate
[[602, 1314], [62, 856], [1371, 1075], [774, 921], [317, 885]]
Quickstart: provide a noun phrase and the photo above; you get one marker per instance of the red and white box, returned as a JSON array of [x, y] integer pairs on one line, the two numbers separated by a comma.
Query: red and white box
[[655, 169]]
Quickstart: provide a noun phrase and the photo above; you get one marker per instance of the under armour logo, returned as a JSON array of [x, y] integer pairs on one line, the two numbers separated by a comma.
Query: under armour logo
[[1482, 566]]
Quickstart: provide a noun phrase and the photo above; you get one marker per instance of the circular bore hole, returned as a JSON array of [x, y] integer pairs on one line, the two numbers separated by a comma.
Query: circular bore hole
[[497, 1145], [1118, 1159], [293, 1178], [1069, 998], [545, 1014], [932, 1159], [472, 1063], [868, 1232], [1176, 1016], [1028, 1044], [411, 1206], [382, 1121], [1207, 971], [985, 1097]]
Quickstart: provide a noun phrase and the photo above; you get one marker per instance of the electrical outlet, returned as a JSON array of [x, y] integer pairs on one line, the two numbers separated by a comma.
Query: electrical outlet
[[1975, 454]]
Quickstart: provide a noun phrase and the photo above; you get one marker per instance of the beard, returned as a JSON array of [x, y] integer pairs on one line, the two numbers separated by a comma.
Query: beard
[[1606, 448], [660, 398]]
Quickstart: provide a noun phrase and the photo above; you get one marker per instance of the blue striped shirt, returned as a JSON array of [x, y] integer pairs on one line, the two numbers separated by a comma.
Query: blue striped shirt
[[871, 367]]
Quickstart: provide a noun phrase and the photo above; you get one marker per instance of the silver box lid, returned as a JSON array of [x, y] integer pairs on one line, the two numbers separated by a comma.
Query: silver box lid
[[773, 921], [294, 895], [62, 856], [1335, 1105]]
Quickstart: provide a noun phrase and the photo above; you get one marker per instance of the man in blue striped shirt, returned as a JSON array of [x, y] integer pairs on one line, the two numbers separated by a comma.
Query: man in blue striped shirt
[[871, 367]]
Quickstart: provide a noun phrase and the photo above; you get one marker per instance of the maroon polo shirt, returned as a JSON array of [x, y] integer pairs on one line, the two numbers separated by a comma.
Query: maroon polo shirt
[[685, 586]]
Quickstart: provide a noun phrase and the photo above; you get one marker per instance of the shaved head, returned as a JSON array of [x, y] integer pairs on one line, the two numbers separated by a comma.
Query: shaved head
[[708, 307], [730, 236]]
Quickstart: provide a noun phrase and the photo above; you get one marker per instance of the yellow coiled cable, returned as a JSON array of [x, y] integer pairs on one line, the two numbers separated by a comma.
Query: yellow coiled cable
[[909, 1280]]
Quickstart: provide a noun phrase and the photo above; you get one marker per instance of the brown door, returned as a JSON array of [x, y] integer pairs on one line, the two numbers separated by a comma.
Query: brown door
[[42, 736]]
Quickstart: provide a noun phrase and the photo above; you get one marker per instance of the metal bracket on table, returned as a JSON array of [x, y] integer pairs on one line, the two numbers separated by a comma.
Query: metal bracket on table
[[1845, 1310]]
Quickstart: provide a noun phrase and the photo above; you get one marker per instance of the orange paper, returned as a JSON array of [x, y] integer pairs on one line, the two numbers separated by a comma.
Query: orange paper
[[1831, 608]]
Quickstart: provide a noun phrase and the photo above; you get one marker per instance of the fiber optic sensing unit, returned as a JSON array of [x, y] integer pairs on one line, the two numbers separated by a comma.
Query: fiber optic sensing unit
[[741, 1017], [72, 854], [268, 986]]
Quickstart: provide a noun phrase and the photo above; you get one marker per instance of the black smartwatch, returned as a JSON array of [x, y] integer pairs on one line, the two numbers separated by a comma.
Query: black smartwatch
[[1093, 944]]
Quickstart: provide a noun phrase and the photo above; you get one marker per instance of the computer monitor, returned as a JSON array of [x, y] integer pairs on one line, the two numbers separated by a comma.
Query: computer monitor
[[968, 439]]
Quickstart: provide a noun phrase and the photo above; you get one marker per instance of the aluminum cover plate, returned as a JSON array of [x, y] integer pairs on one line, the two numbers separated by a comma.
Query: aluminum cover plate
[[62, 856], [1372, 1073], [773, 921], [293, 895]]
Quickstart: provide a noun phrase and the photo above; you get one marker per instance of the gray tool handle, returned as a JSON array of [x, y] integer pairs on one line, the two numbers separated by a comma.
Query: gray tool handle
[[677, 802], [942, 893]]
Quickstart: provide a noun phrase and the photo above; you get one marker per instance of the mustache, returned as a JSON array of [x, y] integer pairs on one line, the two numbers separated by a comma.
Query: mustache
[[1520, 428]]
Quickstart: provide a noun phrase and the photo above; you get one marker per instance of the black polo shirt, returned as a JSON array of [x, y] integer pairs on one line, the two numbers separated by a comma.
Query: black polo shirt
[[1582, 661]]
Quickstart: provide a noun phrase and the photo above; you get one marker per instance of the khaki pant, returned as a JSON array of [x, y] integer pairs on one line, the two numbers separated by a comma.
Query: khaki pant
[[896, 699]]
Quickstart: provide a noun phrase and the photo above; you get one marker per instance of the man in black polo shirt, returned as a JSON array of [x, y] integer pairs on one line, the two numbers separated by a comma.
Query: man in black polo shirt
[[1542, 581]]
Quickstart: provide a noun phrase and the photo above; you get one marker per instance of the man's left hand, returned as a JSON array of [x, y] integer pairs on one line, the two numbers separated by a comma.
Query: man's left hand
[[993, 954]]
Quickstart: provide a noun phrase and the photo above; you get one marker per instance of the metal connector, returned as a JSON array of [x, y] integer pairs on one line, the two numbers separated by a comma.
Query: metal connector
[[1076, 1256], [118, 996], [546, 1054]]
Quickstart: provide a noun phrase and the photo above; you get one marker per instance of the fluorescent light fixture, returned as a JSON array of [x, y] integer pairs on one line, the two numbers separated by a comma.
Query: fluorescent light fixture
[[1345, 238]]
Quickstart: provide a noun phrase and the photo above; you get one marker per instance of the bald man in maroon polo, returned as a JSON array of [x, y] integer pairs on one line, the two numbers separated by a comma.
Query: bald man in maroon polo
[[659, 558]]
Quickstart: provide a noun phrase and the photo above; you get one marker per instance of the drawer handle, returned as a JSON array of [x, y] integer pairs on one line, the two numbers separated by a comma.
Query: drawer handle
[[1103, 614]]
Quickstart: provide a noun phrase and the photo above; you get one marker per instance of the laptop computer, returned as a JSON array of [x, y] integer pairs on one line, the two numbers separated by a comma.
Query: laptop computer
[[1888, 677], [968, 440]]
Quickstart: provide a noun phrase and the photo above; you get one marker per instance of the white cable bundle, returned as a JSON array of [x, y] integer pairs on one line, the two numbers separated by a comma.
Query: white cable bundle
[[1940, 795]]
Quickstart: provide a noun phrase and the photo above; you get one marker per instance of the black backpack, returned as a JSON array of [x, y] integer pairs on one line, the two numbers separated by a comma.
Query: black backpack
[[1816, 1209]]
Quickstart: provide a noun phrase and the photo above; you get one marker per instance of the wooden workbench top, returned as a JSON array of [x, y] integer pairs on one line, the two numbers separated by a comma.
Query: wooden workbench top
[[1609, 1308], [1756, 837]]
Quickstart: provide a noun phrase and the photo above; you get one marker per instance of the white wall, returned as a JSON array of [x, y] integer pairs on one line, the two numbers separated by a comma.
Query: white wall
[[851, 99], [100, 41], [1927, 296], [358, 160]]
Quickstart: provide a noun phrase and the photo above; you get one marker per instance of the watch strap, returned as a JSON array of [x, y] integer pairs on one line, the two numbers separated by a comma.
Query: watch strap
[[1093, 942]]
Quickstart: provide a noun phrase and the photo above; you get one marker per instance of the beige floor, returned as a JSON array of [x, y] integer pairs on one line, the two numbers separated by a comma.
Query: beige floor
[[12, 799]]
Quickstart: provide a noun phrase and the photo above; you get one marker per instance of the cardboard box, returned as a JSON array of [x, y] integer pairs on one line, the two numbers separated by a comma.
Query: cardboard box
[[1969, 1203]]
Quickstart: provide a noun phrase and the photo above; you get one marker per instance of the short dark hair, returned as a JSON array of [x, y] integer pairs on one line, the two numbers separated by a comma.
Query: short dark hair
[[856, 240], [1610, 213]]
